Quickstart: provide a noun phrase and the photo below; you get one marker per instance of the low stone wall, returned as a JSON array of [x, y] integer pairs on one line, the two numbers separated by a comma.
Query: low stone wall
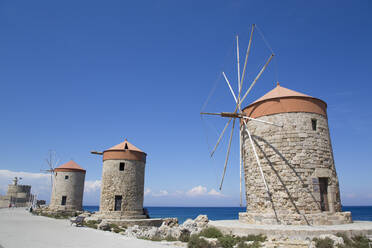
[[16, 202], [323, 218], [4, 201], [292, 232], [121, 215], [132, 222], [45, 211]]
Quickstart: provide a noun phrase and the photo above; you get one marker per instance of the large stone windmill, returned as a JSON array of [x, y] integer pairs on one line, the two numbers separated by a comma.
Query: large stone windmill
[[285, 146], [296, 160]]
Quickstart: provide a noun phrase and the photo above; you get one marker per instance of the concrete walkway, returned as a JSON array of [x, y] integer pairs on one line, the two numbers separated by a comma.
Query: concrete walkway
[[299, 232], [20, 229]]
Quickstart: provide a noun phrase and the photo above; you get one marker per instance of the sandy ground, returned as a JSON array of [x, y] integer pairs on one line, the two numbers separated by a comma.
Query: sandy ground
[[20, 229]]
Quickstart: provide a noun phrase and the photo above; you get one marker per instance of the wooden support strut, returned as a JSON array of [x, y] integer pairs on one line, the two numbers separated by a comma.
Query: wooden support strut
[[97, 153], [257, 159], [230, 115], [241, 115]]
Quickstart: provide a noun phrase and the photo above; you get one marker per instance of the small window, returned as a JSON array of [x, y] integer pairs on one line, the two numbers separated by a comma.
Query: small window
[[313, 124], [122, 165], [126, 147], [66, 177], [64, 198]]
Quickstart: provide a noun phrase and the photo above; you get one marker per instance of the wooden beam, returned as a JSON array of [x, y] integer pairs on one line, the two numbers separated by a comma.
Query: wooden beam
[[96, 153]]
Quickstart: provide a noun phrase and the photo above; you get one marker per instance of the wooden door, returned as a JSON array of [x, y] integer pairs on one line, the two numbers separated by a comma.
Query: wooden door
[[323, 188], [118, 200], [64, 198]]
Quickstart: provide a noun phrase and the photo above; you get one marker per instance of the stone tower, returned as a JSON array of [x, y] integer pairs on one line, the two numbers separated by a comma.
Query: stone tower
[[297, 162], [17, 195], [68, 187], [123, 176], [22, 193]]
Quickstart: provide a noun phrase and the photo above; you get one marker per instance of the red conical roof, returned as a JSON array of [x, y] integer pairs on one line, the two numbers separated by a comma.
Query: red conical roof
[[125, 146], [283, 100], [69, 166], [279, 92], [124, 150]]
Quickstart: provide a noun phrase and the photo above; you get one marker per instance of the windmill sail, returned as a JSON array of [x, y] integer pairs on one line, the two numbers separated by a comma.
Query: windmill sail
[[238, 114]]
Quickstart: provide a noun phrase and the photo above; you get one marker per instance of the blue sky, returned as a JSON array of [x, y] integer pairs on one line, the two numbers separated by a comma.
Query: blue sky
[[77, 76]]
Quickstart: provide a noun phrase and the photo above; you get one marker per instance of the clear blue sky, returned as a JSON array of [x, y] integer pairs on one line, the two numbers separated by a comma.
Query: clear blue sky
[[82, 75]]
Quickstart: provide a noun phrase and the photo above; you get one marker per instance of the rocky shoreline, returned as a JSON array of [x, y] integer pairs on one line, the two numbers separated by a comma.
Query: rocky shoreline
[[169, 229]]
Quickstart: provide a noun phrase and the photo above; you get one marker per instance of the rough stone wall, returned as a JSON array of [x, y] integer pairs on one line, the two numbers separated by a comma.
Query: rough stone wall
[[19, 191], [128, 183], [18, 195], [73, 188], [4, 201], [292, 158]]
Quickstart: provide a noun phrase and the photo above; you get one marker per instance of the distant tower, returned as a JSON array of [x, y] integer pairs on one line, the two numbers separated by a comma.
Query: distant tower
[[68, 187], [123, 176], [297, 162], [19, 195]]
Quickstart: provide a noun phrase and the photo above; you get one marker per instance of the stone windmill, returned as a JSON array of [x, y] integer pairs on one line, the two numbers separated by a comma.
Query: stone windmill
[[123, 178], [68, 187], [297, 161], [290, 176]]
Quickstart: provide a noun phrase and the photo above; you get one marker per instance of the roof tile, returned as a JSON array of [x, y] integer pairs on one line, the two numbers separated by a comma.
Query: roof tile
[[279, 92], [125, 146], [70, 165]]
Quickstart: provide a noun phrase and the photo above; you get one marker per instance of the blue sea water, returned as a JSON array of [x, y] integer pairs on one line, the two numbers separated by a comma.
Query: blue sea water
[[228, 213], [359, 212]]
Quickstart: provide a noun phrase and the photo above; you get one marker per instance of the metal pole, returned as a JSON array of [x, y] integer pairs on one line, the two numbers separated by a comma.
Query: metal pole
[[267, 122], [219, 139], [237, 57], [228, 83], [240, 138], [246, 56], [227, 155], [240, 165], [257, 77], [258, 160]]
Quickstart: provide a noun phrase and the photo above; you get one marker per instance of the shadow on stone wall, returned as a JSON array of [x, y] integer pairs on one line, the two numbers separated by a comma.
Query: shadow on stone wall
[[255, 140]]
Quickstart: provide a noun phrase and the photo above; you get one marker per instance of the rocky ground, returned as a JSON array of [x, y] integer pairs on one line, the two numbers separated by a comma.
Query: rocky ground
[[169, 229], [200, 233]]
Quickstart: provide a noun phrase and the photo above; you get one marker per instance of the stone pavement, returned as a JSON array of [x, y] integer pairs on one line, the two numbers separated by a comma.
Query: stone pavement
[[18, 229]]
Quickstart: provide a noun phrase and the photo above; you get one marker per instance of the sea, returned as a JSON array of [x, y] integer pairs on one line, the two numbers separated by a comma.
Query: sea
[[227, 213]]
